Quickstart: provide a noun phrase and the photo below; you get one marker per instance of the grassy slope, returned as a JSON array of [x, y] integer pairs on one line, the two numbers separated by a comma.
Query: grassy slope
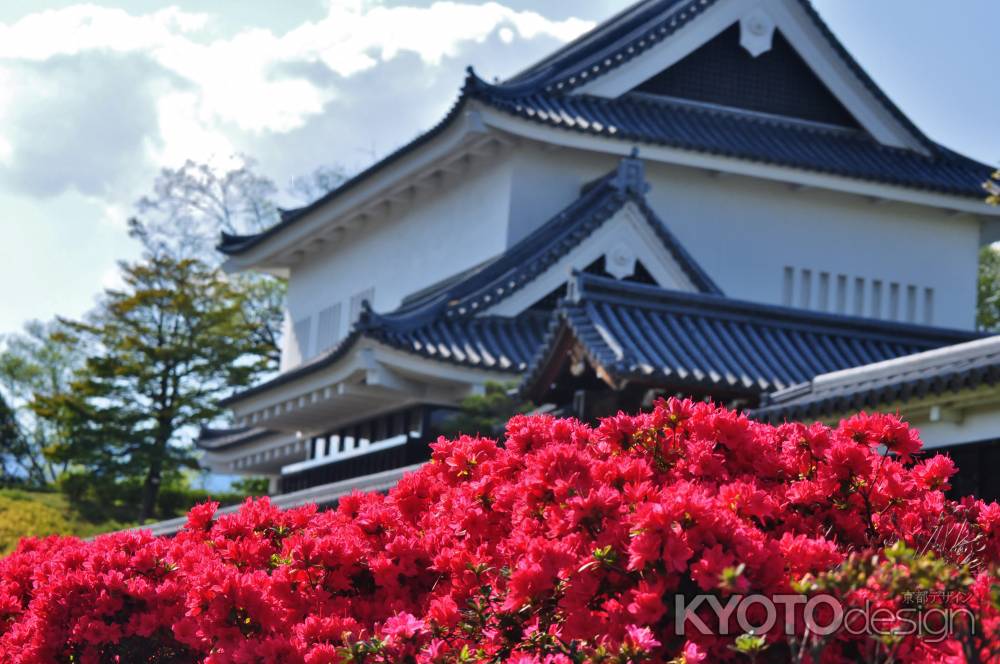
[[24, 513]]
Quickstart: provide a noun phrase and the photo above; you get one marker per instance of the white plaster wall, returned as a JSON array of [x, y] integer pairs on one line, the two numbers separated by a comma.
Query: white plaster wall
[[746, 231], [547, 179], [439, 233]]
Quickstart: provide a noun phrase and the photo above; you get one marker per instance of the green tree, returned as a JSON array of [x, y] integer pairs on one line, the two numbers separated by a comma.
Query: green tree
[[486, 414], [11, 443], [34, 362], [988, 291], [163, 350]]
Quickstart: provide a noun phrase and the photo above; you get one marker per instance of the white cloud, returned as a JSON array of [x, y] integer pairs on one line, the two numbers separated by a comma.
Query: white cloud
[[6, 149], [350, 34], [116, 215], [240, 79], [186, 131]]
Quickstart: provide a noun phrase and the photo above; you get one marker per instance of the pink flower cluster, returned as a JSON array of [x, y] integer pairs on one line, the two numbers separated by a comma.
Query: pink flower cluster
[[563, 543]]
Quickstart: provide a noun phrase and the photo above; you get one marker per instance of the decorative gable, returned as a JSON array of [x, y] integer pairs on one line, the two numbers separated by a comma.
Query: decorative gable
[[610, 223], [634, 47], [777, 80], [625, 246]]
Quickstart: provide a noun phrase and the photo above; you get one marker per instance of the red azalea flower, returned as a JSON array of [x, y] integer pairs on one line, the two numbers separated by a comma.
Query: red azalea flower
[[563, 539]]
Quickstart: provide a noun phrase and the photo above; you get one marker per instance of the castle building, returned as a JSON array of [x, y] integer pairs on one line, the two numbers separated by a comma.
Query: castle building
[[703, 197]]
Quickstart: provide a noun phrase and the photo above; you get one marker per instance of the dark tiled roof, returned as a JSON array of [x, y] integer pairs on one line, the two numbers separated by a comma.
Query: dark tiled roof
[[502, 343], [945, 370], [496, 280], [609, 45], [746, 135], [686, 340]]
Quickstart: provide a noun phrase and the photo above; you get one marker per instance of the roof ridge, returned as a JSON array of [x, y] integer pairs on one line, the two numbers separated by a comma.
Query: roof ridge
[[547, 65]]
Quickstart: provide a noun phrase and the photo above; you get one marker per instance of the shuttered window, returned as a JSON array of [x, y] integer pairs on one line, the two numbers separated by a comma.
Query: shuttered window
[[328, 328]]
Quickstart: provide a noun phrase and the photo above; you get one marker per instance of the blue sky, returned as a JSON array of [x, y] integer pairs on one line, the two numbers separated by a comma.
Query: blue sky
[[96, 97]]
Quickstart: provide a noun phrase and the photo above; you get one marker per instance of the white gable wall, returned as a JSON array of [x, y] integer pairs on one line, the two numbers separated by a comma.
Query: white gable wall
[[545, 180], [746, 231], [433, 237]]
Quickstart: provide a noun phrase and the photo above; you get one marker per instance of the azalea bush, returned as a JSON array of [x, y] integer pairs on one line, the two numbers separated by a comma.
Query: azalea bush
[[561, 543]]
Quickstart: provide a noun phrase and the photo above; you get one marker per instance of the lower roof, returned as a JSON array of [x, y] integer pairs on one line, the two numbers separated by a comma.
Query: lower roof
[[956, 368], [682, 341], [670, 339]]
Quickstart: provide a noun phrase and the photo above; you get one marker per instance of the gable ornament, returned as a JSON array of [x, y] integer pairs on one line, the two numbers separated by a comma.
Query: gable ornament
[[756, 32]]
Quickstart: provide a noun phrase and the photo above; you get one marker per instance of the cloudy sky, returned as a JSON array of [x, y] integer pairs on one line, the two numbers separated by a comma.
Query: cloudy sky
[[95, 98]]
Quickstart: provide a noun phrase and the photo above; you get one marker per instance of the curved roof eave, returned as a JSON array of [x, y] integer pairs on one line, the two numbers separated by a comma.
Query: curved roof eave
[[410, 335]]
